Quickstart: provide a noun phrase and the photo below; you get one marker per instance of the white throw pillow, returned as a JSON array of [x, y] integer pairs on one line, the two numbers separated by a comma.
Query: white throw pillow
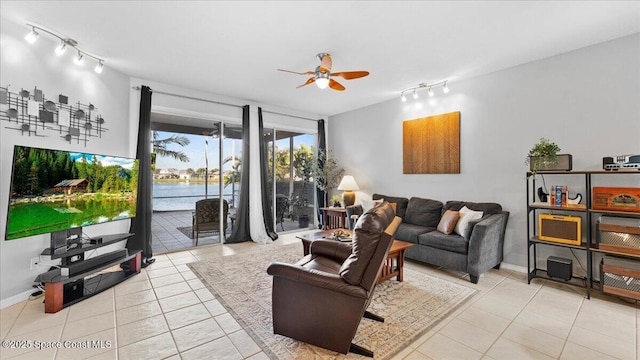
[[368, 204], [466, 215]]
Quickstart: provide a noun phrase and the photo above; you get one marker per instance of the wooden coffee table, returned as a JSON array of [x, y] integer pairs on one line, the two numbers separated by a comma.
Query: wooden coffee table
[[393, 266]]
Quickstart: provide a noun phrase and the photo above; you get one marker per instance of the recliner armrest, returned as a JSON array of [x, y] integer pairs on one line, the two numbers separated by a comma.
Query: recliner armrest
[[315, 278], [333, 249]]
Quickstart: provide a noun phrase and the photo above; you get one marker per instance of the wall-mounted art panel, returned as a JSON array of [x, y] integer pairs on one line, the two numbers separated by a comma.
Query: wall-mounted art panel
[[431, 145], [34, 114]]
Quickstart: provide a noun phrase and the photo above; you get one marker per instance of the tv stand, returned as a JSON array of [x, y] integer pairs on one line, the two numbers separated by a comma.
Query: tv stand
[[87, 278]]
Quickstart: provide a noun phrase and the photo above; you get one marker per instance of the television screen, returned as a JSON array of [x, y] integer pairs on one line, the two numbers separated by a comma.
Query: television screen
[[54, 190]]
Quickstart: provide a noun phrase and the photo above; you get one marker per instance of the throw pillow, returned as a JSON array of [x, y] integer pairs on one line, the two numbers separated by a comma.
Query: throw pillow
[[466, 216], [448, 221], [370, 204]]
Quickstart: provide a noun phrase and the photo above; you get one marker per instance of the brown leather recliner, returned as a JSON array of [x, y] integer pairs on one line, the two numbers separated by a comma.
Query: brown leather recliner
[[322, 298]]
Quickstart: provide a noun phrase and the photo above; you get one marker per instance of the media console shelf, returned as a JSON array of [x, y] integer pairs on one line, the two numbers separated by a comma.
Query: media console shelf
[[87, 277]]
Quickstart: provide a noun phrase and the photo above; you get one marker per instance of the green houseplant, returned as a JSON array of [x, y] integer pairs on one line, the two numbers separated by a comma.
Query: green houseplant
[[542, 155], [327, 177], [335, 199]]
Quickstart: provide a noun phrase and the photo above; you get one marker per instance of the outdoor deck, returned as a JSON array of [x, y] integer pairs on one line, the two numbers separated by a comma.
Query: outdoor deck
[[171, 231]]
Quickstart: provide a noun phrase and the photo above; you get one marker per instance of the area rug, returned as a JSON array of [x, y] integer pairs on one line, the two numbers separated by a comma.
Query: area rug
[[410, 308]]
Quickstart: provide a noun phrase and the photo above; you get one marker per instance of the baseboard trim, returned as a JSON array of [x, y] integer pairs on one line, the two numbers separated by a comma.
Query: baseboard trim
[[5, 303]]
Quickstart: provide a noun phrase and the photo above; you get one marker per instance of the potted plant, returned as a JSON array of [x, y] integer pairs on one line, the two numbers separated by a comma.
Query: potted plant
[[335, 199], [327, 177], [542, 155], [299, 209]]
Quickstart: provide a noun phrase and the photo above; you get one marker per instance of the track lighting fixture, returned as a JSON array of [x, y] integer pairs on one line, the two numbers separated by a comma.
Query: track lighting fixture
[[60, 49], [429, 87], [32, 36], [78, 59], [99, 67]]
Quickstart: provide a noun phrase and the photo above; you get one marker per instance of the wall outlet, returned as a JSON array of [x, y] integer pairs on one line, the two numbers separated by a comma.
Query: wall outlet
[[34, 263]]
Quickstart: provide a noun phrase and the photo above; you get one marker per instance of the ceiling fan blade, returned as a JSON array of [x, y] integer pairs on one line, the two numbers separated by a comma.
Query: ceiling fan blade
[[326, 63], [309, 81], [335, 85], [350, 75], [299, 73]]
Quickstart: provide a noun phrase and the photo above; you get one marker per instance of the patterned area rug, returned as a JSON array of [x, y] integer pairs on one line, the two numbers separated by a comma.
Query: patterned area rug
[[410, 308]]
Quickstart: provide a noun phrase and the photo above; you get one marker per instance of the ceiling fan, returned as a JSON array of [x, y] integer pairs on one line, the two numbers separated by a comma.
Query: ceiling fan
[[322, 76]]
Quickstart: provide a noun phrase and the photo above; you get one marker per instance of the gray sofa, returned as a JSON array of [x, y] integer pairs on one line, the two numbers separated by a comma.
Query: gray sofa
[[479, 250]]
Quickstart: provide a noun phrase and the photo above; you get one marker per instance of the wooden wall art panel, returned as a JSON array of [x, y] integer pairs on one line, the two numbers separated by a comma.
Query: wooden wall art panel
[[431, 145]]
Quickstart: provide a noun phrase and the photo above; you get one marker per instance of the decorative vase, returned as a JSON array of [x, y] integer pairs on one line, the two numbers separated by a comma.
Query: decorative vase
[[336, 204]]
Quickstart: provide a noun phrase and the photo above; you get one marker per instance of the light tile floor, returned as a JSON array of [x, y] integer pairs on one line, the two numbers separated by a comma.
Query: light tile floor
[[165, 312]]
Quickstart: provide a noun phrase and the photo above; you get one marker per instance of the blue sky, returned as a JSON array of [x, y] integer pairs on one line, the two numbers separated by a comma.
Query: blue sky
[[196, 151], [105, 160]]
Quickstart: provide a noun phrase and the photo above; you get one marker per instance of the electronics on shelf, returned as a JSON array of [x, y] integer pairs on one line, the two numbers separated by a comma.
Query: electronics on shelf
[[621, 162], [616, 199], [560, 228]]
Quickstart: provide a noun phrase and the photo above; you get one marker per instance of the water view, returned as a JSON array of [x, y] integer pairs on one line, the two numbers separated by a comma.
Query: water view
[[183, 196]]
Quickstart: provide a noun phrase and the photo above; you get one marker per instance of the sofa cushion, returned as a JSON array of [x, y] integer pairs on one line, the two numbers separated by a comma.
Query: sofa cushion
[[401, 203], [438, 240], [423, 212], [448, 221], [486, 208], [409, 233], [463, 227]]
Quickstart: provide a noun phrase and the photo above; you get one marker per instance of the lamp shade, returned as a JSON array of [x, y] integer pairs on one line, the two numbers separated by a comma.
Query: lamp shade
[[348, 183]]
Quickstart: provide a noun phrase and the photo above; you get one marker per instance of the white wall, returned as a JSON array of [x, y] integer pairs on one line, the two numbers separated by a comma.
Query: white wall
[[26, 66], [587, 101]]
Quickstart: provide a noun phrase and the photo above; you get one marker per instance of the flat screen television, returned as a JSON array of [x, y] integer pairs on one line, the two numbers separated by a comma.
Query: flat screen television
[[56, 190]]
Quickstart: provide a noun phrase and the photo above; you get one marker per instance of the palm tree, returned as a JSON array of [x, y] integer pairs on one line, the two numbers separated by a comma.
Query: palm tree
[[160, 146], [232, 175]]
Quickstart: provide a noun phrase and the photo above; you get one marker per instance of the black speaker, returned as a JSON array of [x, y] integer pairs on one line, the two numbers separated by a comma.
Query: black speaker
[[559, 268]]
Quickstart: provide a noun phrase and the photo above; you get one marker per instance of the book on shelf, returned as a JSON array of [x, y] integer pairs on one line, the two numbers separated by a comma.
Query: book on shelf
[[558, 196]]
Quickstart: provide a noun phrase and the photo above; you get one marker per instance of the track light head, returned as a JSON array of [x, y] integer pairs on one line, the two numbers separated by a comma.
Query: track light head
[[61, 48], [99, 67], [32, 36], [430, 91], [403, 97], [445, 88], [78, 59], [415, 94]]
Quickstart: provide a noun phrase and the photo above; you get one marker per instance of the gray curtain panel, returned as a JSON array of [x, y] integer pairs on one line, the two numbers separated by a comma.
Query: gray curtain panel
[[141, 224], [242, 229], [267, 203], [322, 148]]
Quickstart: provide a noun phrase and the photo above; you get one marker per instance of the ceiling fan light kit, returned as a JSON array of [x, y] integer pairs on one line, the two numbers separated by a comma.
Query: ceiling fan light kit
[[65, 43], [429, 87], [322, 75]]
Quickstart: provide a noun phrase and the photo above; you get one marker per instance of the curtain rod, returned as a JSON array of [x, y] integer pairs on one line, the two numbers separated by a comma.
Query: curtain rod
[[189, 97], [221, 103]]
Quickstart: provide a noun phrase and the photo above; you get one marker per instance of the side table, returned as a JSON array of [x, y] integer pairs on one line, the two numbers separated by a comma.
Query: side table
[[334, 218]]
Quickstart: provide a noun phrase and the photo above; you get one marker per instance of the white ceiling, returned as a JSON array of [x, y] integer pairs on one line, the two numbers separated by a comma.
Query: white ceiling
[[233, 48]]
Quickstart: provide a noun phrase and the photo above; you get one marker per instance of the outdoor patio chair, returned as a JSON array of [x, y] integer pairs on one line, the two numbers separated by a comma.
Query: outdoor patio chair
[[207, 217]]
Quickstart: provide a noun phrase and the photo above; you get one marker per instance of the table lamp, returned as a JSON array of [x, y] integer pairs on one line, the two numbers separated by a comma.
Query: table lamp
[[348, 184]]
